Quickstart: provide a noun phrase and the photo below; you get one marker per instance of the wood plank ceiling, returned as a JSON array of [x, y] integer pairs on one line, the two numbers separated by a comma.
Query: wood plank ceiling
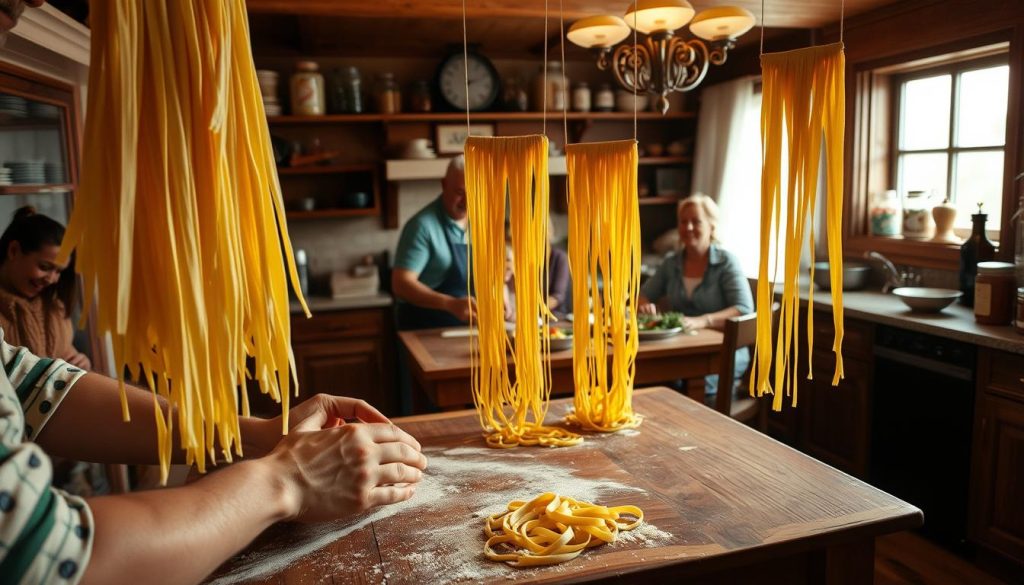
[[502, 28]]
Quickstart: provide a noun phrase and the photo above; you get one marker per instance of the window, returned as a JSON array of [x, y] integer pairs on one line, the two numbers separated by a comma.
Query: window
[[949, 136]]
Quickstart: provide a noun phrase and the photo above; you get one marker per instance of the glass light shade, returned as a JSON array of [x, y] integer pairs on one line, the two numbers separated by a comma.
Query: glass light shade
[[722, 22], [658, 15], [598, 31]]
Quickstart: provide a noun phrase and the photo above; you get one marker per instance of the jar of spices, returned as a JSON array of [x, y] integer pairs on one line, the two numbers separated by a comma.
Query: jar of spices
[[387, 97], [581, 97], [1018, 322], [307, 87], [994, 293], [604, 99], [353, 91], [419, 97]]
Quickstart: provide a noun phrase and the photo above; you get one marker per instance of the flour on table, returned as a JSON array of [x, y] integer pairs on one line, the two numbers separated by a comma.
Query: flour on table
[[448, 488]]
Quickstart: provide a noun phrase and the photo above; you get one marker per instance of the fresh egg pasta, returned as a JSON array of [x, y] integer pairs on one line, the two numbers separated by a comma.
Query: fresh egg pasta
[[604, 246], [802, 113], [511, 413], [179, 225]]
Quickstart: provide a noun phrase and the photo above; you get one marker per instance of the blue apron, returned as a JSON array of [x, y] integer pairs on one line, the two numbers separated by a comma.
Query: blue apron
[[411, 316]]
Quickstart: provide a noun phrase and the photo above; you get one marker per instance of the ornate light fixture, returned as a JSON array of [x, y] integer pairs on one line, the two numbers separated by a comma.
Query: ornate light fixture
[[662, 62]]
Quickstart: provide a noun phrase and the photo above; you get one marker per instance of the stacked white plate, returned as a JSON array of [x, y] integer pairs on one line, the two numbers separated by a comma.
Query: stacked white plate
[[5, 176], [268, 89], [13, 105], [27, 171], [41, 110], [55, 173]]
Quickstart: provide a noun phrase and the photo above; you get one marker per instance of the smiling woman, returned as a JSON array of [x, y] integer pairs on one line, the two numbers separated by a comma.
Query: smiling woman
[[37, 293]]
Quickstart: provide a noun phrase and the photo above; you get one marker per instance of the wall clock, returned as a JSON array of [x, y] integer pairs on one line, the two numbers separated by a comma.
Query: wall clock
[[484, 84]]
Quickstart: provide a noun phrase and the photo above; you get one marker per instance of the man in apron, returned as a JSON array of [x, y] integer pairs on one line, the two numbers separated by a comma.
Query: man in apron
[[431, 271]]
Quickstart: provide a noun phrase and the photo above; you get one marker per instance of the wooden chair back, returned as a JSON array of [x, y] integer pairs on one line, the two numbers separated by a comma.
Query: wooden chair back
[[738, 333]]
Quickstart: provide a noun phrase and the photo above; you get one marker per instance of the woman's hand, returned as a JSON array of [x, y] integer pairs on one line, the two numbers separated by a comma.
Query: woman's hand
[[699, 322], [647, 309], [343, 471], [78, 359], [322, 411]]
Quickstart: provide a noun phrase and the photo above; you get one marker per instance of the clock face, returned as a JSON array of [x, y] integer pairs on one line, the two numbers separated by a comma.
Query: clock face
[[483, 82]]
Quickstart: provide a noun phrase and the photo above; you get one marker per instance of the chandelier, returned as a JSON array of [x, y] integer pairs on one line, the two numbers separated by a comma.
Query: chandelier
[[662, 62]]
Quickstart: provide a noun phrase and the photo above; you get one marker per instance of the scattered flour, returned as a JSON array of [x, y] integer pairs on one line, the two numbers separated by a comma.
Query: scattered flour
[[451, 487], [688, 448]]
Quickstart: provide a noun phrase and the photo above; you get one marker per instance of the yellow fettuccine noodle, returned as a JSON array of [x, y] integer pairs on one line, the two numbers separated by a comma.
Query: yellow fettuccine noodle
[[179, 225], [604, 243], [803, 106], [553, 529], [511, 413]]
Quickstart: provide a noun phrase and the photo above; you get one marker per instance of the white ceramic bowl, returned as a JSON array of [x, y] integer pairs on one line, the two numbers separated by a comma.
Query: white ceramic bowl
[[926, 300]]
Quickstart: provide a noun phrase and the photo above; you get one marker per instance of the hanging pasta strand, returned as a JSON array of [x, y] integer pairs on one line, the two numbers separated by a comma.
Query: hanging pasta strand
[[604, 246], [511, 413], [185, 190], [803, 108]]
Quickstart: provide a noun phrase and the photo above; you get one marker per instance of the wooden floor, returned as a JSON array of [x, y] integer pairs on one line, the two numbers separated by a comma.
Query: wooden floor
[[905, 558]]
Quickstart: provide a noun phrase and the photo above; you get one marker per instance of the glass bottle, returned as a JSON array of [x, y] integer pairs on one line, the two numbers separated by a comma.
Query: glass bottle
[[514, 98], [581, 97], [387, 97], [307, 87], [976, 249], [419, 97], [353, 91], [337, 94], [604, 99]]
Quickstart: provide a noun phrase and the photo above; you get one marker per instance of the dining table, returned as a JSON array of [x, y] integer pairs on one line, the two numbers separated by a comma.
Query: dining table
[[439, 361], [722, 503]]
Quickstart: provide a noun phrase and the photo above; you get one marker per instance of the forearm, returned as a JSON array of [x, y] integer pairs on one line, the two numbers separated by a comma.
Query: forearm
[[419, 294], [715, 320], [181, 535]]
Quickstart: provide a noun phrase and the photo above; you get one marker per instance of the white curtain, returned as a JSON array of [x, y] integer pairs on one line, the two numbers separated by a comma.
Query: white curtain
[[727, 164]]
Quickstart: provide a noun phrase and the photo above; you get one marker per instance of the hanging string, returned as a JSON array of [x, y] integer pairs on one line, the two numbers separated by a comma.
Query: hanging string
[[565, 83], [465, 62], [544, 68], [842, 13], [636, 79], [762, 27]]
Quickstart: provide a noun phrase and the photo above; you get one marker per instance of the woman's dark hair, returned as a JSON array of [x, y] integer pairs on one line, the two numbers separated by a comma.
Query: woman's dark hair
[[32, 231]]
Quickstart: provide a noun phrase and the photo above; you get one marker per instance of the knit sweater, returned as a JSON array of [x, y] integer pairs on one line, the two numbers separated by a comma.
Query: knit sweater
[[44, 329]]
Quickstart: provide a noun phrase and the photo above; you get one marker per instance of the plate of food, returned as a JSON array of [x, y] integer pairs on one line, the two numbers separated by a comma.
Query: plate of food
[[660, 326], [561, 337]]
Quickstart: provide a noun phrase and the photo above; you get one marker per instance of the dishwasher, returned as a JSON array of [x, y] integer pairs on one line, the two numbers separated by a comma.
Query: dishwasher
[[922, 414]]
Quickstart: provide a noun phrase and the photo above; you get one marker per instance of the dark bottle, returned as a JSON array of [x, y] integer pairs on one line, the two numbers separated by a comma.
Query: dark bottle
[[976, 249]]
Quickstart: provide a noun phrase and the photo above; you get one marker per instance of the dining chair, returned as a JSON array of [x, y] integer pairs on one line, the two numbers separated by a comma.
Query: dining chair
[[740, 333]]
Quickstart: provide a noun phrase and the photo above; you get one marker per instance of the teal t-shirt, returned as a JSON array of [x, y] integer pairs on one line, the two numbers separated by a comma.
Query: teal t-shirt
[[423, 246]]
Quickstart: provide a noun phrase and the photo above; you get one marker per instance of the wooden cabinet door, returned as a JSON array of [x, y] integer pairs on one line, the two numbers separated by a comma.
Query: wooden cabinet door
[[344, 367], [835, 421], [997, 505]]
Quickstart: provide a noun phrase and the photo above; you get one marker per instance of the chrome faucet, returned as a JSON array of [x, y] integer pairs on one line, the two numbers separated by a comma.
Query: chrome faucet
[[894, 277]]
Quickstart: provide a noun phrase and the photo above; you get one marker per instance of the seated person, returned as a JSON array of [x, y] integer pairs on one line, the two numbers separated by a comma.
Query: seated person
[[37, 294], [701, 280], [430, 274]]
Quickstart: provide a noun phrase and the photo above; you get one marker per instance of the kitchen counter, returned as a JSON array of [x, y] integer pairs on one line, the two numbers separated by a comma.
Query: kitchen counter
[[954, 322], [320, 304]]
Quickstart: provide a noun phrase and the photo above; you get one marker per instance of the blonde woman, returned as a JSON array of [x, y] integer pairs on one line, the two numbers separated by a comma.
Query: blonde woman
[[701, 280]]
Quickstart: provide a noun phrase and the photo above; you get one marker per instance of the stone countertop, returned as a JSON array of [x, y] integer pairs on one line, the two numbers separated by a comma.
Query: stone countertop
[[321, 304], [954, 322]]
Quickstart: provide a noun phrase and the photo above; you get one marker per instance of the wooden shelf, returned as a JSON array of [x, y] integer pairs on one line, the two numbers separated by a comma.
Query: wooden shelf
[[474, 116], [332, 213], [35, 188], [658, 200], [664, 160], [326, 169], [434, 168], [8, 122]]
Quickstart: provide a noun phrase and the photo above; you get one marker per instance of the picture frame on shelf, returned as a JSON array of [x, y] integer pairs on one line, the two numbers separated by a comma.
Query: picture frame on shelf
[[451, 138], [671, 182]]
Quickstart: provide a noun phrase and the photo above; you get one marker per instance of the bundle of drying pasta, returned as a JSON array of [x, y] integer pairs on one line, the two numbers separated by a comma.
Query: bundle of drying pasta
[[179, 179], [604, 245], [803, 104], [553, 529], [512, 413]]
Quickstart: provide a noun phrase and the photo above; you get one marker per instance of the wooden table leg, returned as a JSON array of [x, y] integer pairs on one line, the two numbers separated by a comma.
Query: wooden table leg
[[695, 389], [850, 564]]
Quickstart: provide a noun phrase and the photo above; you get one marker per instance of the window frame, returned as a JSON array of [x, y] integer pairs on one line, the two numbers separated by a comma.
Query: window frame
[[869, 159]]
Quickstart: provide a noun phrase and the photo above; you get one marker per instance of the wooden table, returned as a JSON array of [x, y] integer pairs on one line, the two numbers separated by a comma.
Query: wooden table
[[440, 365], [723, 504]]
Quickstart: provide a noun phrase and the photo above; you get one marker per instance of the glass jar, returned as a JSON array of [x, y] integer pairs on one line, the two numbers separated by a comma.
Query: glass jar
[[994, 293], [353, 91], [917, 215], [604, 99], [307, 86], [337, 94], [551, 89], [388, 98], [1018, 323], [514, 97], [887, 215], [581, 97], [419, 97]]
